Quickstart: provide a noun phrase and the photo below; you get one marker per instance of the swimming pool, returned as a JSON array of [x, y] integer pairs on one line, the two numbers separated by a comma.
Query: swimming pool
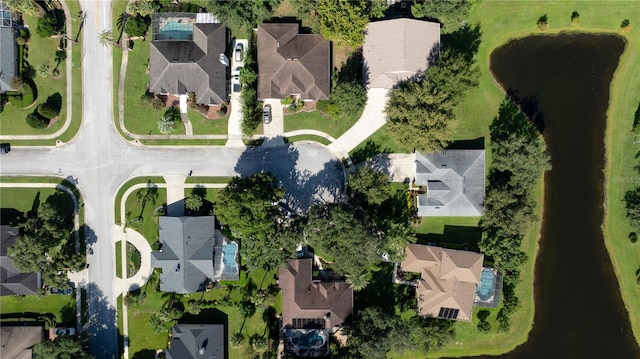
[[485, 287], [176, 30], [229, 252]]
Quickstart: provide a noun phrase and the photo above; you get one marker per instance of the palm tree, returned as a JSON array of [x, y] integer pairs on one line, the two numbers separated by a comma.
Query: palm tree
[[173, 113], [106, 38], [22, 6], [141, 7], [237, 340], [159, 322], [149, 193], [166, 125], [194, 202], [358, 281]]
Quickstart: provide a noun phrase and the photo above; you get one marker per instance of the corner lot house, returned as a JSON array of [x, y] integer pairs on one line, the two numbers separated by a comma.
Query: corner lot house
[[191, 341], [12, 281], [18, 341], [8, 59], [398, 49], [311, 309], [291, 63], [193, 254], [448, 280], [187, 56], [452, 183]]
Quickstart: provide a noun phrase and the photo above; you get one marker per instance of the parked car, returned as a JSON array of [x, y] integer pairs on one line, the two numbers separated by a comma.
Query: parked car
[[235, 82], [64, 331], [236, 72], [239, 52], [5, 148], [266, 113]]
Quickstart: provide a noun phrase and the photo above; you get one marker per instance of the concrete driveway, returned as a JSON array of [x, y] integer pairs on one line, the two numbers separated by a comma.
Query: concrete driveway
[[276, 127], [234, 129]]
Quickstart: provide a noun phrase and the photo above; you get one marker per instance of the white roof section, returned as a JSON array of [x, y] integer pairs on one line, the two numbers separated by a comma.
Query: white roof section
[[397, 49], [206, 18]]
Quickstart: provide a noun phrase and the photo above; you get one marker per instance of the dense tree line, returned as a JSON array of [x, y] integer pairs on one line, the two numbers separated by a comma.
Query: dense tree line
[[247, 13], [519, 159], [62, 347], [452, 14], [45, 245], [421, 110]]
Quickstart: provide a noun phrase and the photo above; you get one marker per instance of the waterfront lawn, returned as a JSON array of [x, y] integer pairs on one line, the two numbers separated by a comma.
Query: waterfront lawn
[[317, 120], [40, 51], [142, 219]]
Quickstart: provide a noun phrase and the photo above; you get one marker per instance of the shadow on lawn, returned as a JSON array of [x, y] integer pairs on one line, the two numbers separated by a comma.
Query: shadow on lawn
[[454, 237], [381, 292]]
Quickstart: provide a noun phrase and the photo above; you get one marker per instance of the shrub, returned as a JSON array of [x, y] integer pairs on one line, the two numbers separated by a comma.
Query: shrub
[[575, 18], [3, 101], [48, 25], [625, 23], [47, 111], [237, 340], [35, 121], [157, 103], [43, 70], [633, 237], [26, 98], [543, 22], [323, 105], [287, 100], [137, 25], [350, 97]]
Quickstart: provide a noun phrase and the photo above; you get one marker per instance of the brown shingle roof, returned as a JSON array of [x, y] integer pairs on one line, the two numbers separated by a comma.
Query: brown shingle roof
[[292, 63], [397, 49], [448, 278], [18, 341], [304, 298]]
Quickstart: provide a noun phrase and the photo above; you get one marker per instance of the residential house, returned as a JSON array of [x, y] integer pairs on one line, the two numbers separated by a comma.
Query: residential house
[[9, 53], [12, 281], [311, 309], [187, 56], [18, 341], [291, 63], [191, 341], [452, 183], [448, 280], [398, 49], [194, 253]]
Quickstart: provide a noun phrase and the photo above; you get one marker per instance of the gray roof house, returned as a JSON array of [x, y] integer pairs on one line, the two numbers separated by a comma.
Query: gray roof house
[[292, 63], [193, 254], [18, 341], [395, 50], [454, 181], [197, 341], [8, 60], [12, 281], [186, 55]]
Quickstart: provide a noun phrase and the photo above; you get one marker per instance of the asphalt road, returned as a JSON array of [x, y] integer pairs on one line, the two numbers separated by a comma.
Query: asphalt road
[[101, 161]]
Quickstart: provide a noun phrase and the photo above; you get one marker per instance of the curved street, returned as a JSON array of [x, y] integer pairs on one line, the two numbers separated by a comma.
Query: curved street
[[102, 161]]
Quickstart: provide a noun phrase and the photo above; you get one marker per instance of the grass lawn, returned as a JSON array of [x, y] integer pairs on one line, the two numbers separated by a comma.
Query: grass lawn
[[176, 142], [62, 307], [126, 186], [204, 126], [203, 179], [14, 202], [119, 259], [316, 120], [40, 51], [147, 225], [315, 138]]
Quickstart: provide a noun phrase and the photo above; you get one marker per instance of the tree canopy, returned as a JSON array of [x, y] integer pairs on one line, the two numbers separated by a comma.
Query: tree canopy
[[368, 186], [343, 21], [450, 13], [62, 347], [246, 13]]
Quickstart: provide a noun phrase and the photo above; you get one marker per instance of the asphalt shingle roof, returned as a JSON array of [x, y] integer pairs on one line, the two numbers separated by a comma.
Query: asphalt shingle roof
[[8, 60], [12, 281], [203, 341]]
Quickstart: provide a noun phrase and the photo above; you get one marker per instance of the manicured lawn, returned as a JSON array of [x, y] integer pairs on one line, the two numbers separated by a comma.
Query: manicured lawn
[[76, 58], [202, 179], [14, 202], [119, 259], [204, 126], [316, 120], [174, 142], [40, 51], [62, 307], [126, 186], [315, 138], [147, 225]]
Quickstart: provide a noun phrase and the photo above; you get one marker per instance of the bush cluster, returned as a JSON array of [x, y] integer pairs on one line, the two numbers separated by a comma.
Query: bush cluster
[[47, 111], [26, 97], [36, 121], [50, 24]]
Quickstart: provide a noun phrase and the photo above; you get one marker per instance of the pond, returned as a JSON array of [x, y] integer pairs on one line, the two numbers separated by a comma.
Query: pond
[[562, 82]]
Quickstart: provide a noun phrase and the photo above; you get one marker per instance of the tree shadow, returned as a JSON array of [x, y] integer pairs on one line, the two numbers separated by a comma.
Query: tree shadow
[[35, 204], [381, 292], [483, 315], [63, 203], [144, 354], [102, 324], [11, 216], [68, 315], [352, 68], [366, 152], [512, 120], [466, 41], [474, 144]]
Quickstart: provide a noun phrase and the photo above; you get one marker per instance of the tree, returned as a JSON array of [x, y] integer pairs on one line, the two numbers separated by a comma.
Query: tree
[[47, 111], [237, 339], [137, 25], [140, 8], [335, 230], [23, 6], [147, 194], [166, 125], [35, 121], [343, 21], [159, 321], [350, 97], [358, 281], [106, 38], [194, 307], [454, 75], [420, 116], [238, 14], [632, 199], [543, 22], [63, 347], [193, 202], [368, 187], [48, 25], [450, 13], [396, 239], [377, 8], [373, 333], [259, 343]]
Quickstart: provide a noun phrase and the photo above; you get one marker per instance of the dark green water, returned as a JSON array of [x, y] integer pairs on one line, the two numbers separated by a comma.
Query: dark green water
[[563, 82]]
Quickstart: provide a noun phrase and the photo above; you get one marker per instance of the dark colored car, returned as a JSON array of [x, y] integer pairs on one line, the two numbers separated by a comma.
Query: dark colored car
[[266, 113], [5, 148]]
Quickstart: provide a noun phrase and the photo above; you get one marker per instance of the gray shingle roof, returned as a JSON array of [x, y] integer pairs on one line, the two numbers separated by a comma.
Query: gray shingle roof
[[454, 181], [397, 49], [186, 258], [180, 66], [12, 281], [197, 341], [292, 63], [8, 61]]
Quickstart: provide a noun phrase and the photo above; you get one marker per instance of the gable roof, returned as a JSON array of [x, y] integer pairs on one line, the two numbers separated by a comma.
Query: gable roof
[[397, 49], [317, 302], [454, 181], [448, 279], [292, 63], [12, 281], [182, 64], [186, 257], [197, 341], [17, 341], [8, 61]]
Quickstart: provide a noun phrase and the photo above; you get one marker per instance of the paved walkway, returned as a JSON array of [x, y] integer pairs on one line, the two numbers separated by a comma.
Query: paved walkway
[[175, 195], [372, 119], [69, 86], [234, 128]]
